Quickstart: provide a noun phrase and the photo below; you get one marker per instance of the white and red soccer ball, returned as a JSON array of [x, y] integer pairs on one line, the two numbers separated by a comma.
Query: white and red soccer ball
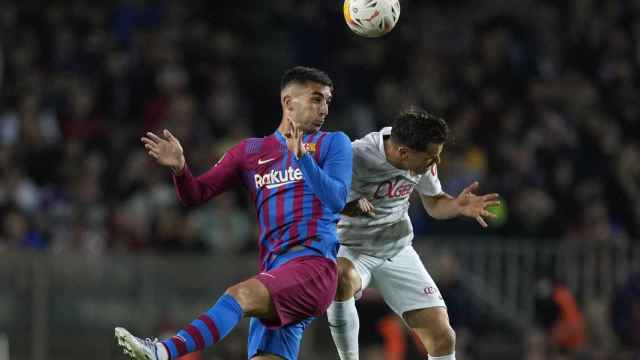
[[371, 18]]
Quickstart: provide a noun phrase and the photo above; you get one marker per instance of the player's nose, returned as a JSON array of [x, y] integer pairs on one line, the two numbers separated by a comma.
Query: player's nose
[[324, 109]]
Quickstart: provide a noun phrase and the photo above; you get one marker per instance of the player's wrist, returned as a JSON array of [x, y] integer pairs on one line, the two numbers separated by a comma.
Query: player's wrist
[[178, 169]]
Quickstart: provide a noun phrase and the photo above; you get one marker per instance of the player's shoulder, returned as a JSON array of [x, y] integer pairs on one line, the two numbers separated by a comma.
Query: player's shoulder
[[339, 136], [336, 140], [333, 135], [254, 145], [367, 143]]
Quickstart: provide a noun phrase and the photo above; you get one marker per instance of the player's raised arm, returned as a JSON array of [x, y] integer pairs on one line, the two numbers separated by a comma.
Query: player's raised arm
[[332, 182], [192, 190], [466, 203]]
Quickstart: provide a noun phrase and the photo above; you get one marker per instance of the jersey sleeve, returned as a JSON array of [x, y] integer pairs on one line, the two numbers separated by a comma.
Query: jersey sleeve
[[332, 182], [429, 184], [359, 171], [225, 174]]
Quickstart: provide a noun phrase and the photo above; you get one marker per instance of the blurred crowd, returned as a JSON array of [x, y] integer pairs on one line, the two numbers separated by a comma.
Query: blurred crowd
[[541, 97]]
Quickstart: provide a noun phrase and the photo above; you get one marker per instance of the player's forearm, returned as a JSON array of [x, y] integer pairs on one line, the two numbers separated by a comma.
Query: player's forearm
[[441, 207], [332, 192], [189, 190]]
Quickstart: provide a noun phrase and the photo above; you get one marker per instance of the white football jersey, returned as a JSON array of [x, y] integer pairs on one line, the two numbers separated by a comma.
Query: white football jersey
[[388, 189]]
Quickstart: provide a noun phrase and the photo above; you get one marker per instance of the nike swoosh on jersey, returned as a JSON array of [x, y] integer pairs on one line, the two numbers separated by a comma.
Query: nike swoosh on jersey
[[261, 162]]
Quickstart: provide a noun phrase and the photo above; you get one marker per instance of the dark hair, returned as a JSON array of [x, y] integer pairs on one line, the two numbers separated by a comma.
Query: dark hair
[[416, 129], [302, 74]]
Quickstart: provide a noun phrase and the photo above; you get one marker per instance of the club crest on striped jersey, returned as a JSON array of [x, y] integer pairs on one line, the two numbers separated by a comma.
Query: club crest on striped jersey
[[278, 177], [309, 147]]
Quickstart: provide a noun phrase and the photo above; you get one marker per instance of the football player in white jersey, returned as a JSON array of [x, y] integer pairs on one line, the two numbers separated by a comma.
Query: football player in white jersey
[[375, 231]]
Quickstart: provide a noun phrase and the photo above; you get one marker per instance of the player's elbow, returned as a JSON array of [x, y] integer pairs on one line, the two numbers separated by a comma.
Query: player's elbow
[[339, 201]]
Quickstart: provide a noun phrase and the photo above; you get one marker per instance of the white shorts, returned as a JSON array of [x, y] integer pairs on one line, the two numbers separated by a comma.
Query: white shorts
[[402, 280]]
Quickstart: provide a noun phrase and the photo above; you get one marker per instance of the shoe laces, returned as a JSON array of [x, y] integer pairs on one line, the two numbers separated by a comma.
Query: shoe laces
[[149, 343]]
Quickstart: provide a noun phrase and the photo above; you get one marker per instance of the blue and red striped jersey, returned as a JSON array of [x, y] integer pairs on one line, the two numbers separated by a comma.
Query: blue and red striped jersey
[[297, 200]]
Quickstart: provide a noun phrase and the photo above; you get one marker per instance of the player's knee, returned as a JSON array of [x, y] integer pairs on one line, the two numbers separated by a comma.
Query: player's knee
[[249, 299], [348, 280], [443, 339], [241, 294]]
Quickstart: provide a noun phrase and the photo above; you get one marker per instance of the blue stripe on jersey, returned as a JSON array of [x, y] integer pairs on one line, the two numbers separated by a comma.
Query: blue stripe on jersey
[[259, 207], [273, 225], [288, 204], [277, 200]]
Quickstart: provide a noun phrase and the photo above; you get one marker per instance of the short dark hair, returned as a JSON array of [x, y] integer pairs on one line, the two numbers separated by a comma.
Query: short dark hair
[[303, 74], [416, 129]]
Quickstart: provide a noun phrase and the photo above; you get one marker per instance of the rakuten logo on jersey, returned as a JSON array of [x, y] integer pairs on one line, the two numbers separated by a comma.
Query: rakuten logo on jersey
[[393, 189], [276, 178]]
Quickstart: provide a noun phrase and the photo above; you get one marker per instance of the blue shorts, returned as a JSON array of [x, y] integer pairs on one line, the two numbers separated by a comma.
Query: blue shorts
[[283, 341]]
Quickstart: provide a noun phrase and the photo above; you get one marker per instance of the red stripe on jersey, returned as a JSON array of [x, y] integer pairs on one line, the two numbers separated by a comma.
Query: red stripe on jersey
[[280, 198], [180, 345], [264, 211], [195, 334], [316, 213], [215, 334], [298, 197], [318, 144]]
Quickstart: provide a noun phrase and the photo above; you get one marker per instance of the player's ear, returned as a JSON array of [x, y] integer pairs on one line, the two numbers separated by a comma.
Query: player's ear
[[403, 152], [287, 102]]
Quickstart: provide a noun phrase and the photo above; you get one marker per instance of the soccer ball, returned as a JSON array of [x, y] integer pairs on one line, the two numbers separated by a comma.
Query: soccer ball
[[371, 18]]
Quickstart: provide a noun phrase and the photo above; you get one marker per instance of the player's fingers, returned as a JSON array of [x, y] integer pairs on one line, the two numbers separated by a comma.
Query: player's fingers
[[154, 137], [365, 204], [481, 221], [490, 196], [153, 154], [151, 147], [146, 140], [292, 126], [492, 203], [485, 213], [371, 207], [470, 188], [167, 134]]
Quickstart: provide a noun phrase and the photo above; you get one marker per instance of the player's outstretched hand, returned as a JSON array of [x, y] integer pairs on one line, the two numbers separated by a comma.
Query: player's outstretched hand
[[294, 137], [359, 207], [475, 206], [167, 151]]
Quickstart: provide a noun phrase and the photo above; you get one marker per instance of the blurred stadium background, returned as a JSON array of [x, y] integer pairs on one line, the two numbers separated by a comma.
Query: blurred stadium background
[[542, 98]]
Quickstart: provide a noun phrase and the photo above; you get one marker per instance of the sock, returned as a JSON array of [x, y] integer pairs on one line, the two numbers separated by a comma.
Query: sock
[[344, 325], [162, 352], [451, 356], [207, 329]]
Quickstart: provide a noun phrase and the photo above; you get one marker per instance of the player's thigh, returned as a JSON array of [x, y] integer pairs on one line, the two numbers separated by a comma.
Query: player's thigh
[[405, 283], [275, 343], [362, 264]]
